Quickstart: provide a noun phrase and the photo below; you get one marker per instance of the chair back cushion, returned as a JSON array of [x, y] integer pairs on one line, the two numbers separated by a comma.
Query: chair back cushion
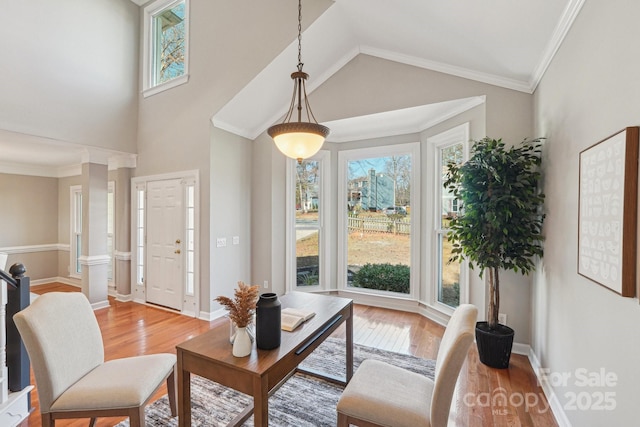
[[454, 346], [63, 339]]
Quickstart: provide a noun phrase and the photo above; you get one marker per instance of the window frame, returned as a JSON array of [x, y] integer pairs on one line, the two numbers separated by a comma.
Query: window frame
[[150, 87], [456, 135], [139, 237], [111, 214], [75, 231], [344, 156], [190, 247], [323, 157]]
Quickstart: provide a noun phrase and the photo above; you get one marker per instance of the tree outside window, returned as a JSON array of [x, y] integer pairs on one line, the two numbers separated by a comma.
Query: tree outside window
[[169, 43]]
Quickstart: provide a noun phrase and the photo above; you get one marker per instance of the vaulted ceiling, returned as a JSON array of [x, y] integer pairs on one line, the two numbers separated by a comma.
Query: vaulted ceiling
[[499, 42]]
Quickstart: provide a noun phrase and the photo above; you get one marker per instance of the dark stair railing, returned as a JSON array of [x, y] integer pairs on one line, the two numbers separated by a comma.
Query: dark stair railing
[[18, 298]]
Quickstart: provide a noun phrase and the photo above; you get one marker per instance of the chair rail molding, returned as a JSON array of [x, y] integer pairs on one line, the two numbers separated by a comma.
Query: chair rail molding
[[26, 249]]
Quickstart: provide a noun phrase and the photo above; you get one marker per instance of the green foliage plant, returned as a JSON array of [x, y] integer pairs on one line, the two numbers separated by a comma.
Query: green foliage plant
[[384, 277], [500, 225]]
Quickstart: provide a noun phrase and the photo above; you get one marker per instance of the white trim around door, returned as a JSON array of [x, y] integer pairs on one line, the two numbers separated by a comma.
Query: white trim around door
[[189, 303]]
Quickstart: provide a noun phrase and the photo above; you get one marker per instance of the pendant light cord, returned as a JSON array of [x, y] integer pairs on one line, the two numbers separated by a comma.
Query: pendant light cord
[[300, 64]]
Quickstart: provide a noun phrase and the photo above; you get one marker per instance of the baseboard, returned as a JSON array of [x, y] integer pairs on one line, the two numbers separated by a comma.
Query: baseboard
[[519, 348], [434, 315], [112, 292], [64, 280], [212, 315], [393, 303], [100, 305], [123, 297], [554, 403]]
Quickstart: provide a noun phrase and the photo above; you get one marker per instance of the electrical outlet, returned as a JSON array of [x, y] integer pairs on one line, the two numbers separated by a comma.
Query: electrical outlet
[[266, 284], [236, 240], [221, 242], [502, 318]]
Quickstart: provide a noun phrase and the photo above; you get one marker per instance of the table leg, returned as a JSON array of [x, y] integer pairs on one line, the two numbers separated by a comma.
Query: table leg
[[184, 395], [260, 402], [349, 340]]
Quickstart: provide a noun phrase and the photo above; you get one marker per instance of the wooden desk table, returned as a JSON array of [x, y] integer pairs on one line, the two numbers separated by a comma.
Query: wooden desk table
[[263, 371]]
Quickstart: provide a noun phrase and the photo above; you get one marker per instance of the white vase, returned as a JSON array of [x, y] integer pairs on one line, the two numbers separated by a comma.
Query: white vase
[[242, 343], [233, 328]]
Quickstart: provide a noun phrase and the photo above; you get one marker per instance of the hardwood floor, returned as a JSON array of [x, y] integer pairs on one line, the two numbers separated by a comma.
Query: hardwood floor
[[483, 397]]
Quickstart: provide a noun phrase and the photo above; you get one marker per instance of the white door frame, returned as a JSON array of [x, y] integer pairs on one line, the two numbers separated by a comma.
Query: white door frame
[[191, 303]]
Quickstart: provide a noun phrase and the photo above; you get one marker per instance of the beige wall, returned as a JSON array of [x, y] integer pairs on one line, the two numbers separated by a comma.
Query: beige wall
[[29, 210], [230, 212], [590, 91], [77, 84], [29, 217], [369, 85]]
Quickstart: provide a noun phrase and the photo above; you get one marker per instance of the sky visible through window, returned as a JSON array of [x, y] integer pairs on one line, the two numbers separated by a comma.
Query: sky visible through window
[[171, 43]]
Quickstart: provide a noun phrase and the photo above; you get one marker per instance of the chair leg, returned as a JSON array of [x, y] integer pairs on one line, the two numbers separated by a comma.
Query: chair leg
[[48, 420], [92, 422], [171, 393], [136, 417], [342, 420]]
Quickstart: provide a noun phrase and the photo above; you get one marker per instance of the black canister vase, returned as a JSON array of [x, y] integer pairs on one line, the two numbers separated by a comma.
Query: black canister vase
[[268, 321]]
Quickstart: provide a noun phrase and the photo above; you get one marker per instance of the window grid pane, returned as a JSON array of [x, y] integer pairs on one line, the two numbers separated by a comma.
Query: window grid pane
[[379, 223], [450, 154], [141, 238], [76, 231], [110, 232], [307, 223], [449, 277], [169, 43], [78, 253], [448, 291], [190, 254]]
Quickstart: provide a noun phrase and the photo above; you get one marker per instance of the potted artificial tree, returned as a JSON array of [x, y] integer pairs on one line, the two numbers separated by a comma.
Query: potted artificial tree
[[499, 226]]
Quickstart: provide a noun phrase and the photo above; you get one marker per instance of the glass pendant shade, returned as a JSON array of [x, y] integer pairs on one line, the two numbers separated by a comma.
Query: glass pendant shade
[[298, 140]]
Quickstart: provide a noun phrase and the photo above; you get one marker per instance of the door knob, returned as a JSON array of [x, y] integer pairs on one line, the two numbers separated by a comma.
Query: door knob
[[178, 241], [177, 251]]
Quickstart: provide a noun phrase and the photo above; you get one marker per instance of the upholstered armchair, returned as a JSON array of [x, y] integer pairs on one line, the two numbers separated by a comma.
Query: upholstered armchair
[[64, 343]]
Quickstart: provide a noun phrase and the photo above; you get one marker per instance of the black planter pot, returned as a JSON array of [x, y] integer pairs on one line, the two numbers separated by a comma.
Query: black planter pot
[[494, 346], [268, 321]]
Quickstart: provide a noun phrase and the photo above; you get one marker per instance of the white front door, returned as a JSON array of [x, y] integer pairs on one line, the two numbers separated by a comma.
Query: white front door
[[165, 230]]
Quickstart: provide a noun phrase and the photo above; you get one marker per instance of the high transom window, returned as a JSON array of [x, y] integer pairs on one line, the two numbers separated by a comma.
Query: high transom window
[[166, 29]]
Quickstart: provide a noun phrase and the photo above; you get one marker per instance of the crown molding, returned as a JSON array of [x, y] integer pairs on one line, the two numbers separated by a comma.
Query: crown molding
[[453, 70], [566, 21]]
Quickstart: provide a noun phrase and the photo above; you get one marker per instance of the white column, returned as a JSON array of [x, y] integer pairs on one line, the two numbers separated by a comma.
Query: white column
[[94, 258], [122, 276]]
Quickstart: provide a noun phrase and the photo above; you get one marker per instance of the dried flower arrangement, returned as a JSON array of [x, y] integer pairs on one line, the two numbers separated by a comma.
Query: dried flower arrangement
[[242, 307]]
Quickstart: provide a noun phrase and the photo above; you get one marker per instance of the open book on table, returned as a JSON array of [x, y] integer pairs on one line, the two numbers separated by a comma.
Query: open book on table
[[291, 318]]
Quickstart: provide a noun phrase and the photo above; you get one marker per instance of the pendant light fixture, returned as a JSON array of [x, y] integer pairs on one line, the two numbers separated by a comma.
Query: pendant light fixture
[[298, 139]]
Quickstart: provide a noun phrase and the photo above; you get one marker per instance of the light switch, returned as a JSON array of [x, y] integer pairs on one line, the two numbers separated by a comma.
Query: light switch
[[221, 242], [236, 240]]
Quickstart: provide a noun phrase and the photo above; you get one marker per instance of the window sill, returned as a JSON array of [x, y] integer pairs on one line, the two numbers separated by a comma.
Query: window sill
[[165, 86]]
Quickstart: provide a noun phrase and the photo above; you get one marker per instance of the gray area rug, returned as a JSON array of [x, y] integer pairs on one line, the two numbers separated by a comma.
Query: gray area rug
[[303, 401]]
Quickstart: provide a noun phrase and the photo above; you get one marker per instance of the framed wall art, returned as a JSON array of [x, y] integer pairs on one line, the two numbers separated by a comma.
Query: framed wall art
[[608, 210]]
